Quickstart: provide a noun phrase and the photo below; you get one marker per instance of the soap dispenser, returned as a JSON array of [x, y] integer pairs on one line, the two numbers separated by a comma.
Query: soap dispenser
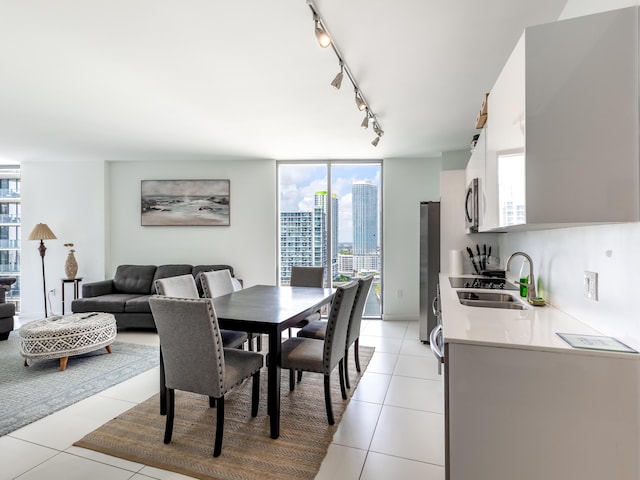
[[525, 269]]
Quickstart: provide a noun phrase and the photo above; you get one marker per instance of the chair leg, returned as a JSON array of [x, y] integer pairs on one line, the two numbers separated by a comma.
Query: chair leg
[[255, 394], [356, 354], [219, 427], [346, 368], [292, 385], [259, 342], [212, 402], [170, 407], [250, 341], [341, 373], [299, 375], [327, 399]]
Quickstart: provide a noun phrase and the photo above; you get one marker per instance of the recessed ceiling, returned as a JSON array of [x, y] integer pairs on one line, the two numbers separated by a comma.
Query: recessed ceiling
[[206, 79]]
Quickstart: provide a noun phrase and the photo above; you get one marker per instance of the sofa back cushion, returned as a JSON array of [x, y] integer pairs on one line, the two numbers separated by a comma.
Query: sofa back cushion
[[134, 279], [166, 271], [207, 268]]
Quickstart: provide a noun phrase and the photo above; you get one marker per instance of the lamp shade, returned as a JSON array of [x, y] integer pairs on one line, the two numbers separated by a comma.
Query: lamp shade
[[41, 232]]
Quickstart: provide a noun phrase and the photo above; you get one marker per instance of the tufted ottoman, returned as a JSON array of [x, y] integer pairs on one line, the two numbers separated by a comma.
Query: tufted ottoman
[[64, 336]]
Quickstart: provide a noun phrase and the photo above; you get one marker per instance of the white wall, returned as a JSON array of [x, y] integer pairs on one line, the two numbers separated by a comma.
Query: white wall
[[406, 182], [248, 244], [70, 198], [96, 206]]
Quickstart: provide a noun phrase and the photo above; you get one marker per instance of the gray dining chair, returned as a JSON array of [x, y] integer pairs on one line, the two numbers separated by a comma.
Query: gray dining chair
[[216, 283], [195, 360], [322, 356], [318, 328], [184, 286], [306, 277]]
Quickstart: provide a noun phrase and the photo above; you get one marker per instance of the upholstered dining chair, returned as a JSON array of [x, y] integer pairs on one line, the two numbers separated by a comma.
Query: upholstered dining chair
[[322, 356], [220, 282], [306, 277], [195, 361], [318, 328], [184, 286]]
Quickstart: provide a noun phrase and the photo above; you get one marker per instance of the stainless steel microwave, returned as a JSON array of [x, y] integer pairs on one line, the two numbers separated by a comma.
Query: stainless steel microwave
[[471, 210]]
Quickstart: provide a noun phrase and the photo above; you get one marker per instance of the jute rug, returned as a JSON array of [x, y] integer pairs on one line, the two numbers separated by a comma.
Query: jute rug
[[33, 392], [247, 450]]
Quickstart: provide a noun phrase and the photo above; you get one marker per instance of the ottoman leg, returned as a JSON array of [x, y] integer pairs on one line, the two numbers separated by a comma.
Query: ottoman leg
[[63, 363], [108, 347], [26, 364]]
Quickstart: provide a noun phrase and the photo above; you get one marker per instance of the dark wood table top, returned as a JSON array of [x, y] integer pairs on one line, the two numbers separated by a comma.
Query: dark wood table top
[[265, 307]]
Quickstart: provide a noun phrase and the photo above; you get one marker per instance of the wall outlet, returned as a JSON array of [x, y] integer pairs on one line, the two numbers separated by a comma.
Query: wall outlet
[[591, 285]]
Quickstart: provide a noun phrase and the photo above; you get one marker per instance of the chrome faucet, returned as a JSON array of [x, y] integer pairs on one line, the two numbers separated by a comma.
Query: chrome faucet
[[531, 286]]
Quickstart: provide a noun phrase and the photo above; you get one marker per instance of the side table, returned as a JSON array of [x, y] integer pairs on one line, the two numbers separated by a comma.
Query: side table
[[76, 288]]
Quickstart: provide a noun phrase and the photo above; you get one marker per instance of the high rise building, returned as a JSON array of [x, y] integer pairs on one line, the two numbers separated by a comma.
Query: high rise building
[[322, 210], [10, 229], [366, 256], [296, 242]]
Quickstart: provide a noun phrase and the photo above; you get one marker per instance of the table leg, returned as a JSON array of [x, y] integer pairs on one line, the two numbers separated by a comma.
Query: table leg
[[109, 349], [273, 382]]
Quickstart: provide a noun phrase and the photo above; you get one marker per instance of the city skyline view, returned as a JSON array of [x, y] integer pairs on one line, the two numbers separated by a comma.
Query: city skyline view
[[299, 184]]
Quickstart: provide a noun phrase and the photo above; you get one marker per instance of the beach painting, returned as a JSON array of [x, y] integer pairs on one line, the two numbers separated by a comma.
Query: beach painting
[[185, 202]]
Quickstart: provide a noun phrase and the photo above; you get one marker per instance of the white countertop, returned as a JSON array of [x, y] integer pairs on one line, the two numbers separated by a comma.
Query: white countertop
[[534, 328]]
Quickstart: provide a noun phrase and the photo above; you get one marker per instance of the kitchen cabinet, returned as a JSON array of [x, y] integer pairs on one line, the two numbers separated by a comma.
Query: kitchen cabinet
[[533, 414], [521, 403], [563, 130]]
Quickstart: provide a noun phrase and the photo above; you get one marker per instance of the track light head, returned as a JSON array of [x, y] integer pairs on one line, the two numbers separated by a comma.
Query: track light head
[[375, 141], [337, 81], [377, 129], [359, 102], [321, 34], [365, 121]]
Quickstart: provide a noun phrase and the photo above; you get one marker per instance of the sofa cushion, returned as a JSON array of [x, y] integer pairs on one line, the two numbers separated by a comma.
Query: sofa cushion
[[165, 271], [113, 303], [138, 305], [134, 279], [207, 268]]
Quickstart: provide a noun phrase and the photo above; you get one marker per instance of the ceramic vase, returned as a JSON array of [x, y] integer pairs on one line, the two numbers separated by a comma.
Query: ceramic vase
[[71, 265]]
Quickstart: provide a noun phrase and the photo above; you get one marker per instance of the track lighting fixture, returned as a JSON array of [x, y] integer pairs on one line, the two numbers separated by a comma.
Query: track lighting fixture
[[359, 102], [337, 81], [365, 121], [322, 34]]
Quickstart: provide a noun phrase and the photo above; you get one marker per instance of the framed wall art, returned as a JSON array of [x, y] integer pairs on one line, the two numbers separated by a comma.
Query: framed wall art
[[185, 202]]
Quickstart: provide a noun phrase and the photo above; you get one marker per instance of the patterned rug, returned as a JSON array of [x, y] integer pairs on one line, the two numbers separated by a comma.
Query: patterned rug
[[248, 452], [33, 392]]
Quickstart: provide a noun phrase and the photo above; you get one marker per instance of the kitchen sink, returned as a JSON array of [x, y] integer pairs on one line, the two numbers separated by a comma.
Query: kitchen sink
[[490, 300]]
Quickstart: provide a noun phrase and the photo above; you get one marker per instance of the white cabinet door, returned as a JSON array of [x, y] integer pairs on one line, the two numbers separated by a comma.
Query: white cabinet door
[[532, 415], [504, 193], [582, 154]]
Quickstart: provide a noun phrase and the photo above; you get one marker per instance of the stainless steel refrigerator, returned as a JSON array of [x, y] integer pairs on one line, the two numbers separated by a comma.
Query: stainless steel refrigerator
[[429, 265]]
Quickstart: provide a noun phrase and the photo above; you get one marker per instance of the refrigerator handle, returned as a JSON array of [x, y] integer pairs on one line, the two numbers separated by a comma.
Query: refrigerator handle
[[434, 306]]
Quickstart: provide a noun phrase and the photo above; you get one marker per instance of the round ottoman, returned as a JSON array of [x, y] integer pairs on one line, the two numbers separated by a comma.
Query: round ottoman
[[67, 335]]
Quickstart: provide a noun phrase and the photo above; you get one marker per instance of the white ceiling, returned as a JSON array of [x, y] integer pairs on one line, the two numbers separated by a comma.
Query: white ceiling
[[202, 79]]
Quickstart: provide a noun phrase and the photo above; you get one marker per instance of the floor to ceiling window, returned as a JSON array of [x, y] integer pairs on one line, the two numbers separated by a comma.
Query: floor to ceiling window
[[10, 229], [330, 215]]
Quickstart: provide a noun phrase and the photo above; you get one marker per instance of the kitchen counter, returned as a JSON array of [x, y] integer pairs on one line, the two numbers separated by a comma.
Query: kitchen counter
[[534, 328]]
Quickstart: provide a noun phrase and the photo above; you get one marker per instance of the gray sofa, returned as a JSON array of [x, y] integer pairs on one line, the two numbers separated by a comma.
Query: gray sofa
[[126, 296]]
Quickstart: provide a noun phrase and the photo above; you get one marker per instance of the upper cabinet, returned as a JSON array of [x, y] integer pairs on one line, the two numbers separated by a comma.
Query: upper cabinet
[[562, 136]]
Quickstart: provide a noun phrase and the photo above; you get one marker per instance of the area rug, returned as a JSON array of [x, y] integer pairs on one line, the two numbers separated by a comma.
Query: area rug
[[33, 392], [248, 452]]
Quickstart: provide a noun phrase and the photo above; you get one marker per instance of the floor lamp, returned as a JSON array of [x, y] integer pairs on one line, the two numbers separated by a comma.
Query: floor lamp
[[42, 232]]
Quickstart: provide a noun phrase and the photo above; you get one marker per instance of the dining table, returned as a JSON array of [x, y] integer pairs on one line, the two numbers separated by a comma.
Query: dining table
[[270, 310]]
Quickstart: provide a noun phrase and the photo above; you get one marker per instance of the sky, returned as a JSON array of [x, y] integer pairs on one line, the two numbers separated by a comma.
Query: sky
[[298, 184]]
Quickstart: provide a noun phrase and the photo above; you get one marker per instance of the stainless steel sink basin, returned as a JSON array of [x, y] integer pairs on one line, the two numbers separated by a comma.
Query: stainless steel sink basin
[[490, 300]]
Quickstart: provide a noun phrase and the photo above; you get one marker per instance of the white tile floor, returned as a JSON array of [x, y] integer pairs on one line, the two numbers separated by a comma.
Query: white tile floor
[[392, 428]]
